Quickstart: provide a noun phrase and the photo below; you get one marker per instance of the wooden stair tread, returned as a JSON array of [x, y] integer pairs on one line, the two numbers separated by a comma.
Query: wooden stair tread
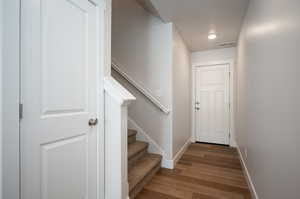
[[142, 168], [136, 147], [131, 132]]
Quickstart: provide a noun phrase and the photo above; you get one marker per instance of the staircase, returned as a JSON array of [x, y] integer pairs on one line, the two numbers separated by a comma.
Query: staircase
[[142, 165]]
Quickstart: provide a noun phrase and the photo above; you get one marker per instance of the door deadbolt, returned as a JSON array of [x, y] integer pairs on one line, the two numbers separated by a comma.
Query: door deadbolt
[[93, 122]]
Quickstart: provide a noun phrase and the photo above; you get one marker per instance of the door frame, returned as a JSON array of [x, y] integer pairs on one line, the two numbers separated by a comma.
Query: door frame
[[12, 89], [11, 100], [232, 98]]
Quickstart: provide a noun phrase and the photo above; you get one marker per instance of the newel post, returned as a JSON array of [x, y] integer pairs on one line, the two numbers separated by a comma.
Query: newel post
[[117, 99]]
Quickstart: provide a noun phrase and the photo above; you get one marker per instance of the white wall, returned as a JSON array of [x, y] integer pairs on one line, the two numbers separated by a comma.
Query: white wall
[[1, 88], [268, 97], [212, 56], [219, 56], [154, 55], [142, 44], [181, 93]]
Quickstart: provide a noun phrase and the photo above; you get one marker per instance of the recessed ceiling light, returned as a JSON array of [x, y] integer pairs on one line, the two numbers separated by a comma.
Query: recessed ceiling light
[[212, 36]]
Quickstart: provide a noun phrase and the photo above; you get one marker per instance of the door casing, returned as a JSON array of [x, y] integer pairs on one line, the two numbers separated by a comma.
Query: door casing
[[232, 97]]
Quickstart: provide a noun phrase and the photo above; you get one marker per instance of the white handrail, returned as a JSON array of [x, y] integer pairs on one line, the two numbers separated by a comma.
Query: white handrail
[[142, 90]]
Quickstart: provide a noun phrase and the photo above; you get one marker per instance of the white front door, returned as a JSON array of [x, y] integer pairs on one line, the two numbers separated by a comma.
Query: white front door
[[60, 86], [212, 104]]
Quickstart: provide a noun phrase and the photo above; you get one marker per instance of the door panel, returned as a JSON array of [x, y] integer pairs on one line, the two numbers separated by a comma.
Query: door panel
[[64, 32], [219, 111], [60, 86], [212, 104], [57, 169], [204, 114]]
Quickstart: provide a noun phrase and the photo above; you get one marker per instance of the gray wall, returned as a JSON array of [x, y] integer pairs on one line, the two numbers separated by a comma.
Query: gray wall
[[268, 122], [181, 93], [142, 45], [155, 56], [1, 88]]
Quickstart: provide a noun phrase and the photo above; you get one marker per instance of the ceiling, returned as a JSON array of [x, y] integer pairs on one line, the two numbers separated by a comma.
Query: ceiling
[[195, 19]]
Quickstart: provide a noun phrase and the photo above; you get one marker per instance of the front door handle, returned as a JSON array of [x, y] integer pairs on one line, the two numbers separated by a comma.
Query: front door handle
[[93, 122]]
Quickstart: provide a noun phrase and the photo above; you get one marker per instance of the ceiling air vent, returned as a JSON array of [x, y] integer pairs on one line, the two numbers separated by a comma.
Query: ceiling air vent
[[226, 44]]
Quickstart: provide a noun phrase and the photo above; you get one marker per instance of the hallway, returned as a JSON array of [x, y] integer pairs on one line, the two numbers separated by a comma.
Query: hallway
[[204, 172]]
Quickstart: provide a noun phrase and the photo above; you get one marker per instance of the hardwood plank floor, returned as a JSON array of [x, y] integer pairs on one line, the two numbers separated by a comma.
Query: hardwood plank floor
[[204, 172]]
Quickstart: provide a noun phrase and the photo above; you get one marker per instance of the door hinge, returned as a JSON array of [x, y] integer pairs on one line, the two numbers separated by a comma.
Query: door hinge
[[20, 111]]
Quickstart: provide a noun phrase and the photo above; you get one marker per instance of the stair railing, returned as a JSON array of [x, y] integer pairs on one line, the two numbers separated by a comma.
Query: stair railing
[[116, 67]]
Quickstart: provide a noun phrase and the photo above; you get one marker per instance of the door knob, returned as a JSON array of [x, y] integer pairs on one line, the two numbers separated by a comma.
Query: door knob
[[93, 122], [197, 108]]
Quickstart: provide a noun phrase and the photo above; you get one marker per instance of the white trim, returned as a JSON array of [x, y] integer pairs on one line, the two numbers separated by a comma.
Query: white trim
[[155, 148], [118, 68], [167, 163], [143, 136], [247, 176], [118, 92], [107, 37], [193, 129], [11, 98], [180, 153], [170, 164], [116, 162], [230, 62]]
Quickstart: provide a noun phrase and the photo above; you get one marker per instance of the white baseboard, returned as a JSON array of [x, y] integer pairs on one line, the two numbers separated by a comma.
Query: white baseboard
[[181, 151], [166, 163], [143, 136], [233, 143], [155, 148], [247, 175], [193, 139], [170, 164]]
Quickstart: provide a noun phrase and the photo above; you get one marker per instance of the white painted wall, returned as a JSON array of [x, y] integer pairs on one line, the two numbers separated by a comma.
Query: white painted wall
[[181, 93], [155, 56], [142, 44], [212, 56], [269, 98], [218, 56], [1, 88]]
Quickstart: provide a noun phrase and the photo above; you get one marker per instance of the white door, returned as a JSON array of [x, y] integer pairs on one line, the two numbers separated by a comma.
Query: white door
[[212, 104], [60, 86]]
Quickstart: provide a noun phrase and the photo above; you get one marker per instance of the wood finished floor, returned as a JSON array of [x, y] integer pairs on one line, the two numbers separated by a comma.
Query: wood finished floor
[[204, 172]]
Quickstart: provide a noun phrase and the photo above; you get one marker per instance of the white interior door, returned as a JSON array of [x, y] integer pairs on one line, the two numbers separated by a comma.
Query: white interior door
[[60, 86], [212, 104]]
